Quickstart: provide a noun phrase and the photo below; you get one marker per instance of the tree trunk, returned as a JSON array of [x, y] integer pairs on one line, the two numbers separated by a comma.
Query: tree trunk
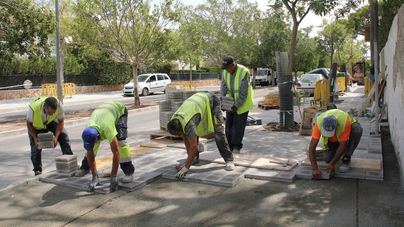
[[135, 85], [190, 72], [292, 50], [254, 71]]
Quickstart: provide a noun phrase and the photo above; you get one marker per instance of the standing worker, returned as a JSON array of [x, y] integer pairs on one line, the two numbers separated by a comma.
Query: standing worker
[[237, 83], [108, 122], [340, 134], [46, 114], [200, 115]]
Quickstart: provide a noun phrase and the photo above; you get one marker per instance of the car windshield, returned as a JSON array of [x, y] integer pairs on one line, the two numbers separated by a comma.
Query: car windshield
[[309, 78], [142, 78], [262, 72]]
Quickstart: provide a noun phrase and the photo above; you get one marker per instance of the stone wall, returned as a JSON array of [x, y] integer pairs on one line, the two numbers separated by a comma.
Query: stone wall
[[392, 60]]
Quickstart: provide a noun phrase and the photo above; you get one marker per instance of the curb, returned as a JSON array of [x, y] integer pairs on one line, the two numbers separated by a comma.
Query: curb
[[76, 121]]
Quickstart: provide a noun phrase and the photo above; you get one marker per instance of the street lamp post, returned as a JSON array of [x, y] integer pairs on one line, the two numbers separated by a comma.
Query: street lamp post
[[59, 63]]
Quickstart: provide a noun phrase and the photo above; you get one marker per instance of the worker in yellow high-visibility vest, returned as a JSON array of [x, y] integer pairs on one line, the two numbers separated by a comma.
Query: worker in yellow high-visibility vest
[[108, 122], [46, 114], [236, 83], [200, 115]]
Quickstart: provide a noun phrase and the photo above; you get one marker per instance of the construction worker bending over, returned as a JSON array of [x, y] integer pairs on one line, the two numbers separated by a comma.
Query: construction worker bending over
[[200, 115], [46, 114], [107, 122], [236, 83], [340, 134]]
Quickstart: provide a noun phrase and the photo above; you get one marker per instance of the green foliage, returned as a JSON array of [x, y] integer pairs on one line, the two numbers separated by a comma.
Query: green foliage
[[387, 11], [24, 29], [274, 36], [306, 55], [113, 73]]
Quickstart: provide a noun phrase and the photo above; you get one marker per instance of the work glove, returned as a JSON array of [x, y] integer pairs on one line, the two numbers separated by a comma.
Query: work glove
[[181, 174], [113, 184], [234, 109], [94, 182]]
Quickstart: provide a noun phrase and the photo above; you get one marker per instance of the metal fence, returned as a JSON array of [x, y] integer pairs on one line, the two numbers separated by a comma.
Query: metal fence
[[87, 80], [175, 76], [37, 81]]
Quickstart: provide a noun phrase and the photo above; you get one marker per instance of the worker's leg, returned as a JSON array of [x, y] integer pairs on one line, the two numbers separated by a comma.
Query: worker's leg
[[36, 155], [125, 154], [239, 124], [220, 138], [63, 139], [330, 153], [354, 139], [229, 128]]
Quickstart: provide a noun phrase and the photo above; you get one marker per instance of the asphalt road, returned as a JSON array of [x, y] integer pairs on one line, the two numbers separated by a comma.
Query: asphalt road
[[81, 103], [15, 163]]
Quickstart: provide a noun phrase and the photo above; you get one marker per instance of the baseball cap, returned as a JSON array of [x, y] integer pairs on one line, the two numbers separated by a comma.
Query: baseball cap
[[329, 126], [89, 137], [228, 60]]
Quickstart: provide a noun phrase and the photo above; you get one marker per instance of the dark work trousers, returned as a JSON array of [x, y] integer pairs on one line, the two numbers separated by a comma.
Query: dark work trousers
[[220, 138], [235, 126], [36, 154], [354, 139], [122, 129]]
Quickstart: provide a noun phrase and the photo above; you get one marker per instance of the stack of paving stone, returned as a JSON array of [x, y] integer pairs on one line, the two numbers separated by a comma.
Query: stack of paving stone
[[188, 94], [227, 103], [165, 113], [66, 164], [174, 99], [45, 140]]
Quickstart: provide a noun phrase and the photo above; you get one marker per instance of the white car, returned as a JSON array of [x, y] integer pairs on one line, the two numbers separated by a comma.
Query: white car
[[307, 82], [147, 84]]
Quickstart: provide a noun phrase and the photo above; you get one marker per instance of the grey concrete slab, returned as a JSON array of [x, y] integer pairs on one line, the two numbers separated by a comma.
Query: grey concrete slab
[[209, 173], [272, 175]]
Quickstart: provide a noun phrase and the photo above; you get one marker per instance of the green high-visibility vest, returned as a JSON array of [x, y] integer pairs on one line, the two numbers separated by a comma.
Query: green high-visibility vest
[[104, 119], [196, 104], [341, 117], [37, 107], [234, 89]]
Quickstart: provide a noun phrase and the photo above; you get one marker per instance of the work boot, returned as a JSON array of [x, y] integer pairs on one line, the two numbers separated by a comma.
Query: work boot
[[201, 147], [229, 165], [37, 172], [345, 166], [81, 172], [346, 159], [127, 178]]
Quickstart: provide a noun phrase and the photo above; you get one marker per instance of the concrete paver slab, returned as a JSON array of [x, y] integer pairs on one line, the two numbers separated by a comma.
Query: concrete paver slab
[[209, 173]]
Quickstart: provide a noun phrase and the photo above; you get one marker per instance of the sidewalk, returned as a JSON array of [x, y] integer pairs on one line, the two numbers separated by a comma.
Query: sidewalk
[[338, 202]]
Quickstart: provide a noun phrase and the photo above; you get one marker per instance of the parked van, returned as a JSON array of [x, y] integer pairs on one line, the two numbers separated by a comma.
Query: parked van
[[147, 84]]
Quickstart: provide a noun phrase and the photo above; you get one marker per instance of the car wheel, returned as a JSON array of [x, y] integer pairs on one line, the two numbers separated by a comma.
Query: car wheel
[[145, 92]]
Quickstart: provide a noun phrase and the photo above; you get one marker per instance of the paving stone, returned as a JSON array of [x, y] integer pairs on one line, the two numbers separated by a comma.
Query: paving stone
[[209, 173], [81, 184], [305, 172], [374, 175], [45, 144], [263, 174], [353, 173]]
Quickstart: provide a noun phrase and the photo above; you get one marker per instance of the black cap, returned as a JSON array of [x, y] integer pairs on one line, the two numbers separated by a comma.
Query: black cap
[[228, 60]]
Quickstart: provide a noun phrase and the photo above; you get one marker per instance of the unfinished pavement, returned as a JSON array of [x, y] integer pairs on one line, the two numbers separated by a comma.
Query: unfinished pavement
[[336, 203]]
